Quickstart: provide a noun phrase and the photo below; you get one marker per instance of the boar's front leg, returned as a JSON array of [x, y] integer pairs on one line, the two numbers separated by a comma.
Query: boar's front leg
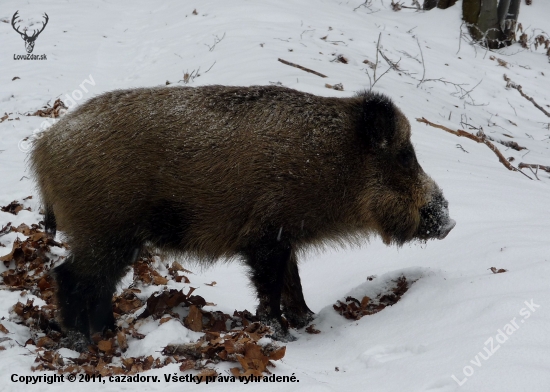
[[295, 308], [268, 260]]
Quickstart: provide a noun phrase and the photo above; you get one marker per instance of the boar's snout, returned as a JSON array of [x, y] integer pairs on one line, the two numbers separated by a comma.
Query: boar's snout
[[435, 221], [446, 228]]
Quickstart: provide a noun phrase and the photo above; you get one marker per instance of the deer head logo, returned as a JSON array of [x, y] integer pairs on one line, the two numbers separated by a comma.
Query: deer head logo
[[29, 40]]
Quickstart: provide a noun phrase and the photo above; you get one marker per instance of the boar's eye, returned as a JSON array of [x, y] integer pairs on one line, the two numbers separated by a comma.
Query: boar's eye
[[406, 157]]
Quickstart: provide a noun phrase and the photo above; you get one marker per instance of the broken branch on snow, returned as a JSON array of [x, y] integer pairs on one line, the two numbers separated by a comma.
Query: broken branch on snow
[[510, 84], [534, 166], [302, 68], [477, 139]]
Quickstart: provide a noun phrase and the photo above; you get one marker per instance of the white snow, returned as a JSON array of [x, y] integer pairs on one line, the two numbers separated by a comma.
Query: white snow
[[443, 324]]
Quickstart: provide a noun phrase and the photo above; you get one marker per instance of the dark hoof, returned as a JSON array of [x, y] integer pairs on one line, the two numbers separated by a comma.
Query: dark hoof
[[278, 332], [76, 341], [283, 337], [299, 320], [54, 325]]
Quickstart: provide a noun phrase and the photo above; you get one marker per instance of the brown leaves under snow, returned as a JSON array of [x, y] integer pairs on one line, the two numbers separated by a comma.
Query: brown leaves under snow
[[54, 111], [164, 302], [29, 262], [237, 346], [176, 271], [227, 338], [14, 207], [311, 330], [147, 274], [354, 309]]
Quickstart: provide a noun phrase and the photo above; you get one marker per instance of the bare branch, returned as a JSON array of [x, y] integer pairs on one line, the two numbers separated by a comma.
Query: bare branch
[[541, 167], [462, 133], [472, 89], [394, 66], [507, 143], [377, 50], [535, 173], [423, 65], [217, 40], [510, 84], [366, 4], [302, 68], [305, 31], [210, 67]]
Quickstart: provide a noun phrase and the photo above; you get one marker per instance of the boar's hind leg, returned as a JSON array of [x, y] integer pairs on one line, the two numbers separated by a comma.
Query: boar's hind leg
[[86, 282], [72, 292], [294, 305], [268, 261]]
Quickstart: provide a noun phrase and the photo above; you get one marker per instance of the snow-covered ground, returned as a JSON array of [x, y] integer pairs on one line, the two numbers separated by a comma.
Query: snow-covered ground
[[459, 327]]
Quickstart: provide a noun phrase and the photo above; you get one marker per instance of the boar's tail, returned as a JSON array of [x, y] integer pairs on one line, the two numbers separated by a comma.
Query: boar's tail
[[49, 222]]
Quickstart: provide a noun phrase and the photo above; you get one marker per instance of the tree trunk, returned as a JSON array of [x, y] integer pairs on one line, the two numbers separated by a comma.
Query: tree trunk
[[510, 19], [491, 22]]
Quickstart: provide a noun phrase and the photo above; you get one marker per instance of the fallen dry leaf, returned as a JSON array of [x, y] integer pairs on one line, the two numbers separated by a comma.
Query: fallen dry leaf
[[193, 321], [54, 111], [311, 329], [105, 345], [121, 340], [13, 208]]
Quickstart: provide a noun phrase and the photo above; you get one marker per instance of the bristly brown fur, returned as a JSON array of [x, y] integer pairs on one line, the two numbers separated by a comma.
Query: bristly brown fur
[[258, 172]]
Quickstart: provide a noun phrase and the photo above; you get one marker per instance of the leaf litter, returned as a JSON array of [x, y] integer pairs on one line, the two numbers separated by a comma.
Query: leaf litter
[[353, 309], [226, 338]]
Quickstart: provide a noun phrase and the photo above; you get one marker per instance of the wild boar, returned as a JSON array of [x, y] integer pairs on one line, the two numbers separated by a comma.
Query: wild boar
[[257, 173]]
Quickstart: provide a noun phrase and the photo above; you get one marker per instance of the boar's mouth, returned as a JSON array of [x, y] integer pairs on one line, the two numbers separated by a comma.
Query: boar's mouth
[[435, 221]]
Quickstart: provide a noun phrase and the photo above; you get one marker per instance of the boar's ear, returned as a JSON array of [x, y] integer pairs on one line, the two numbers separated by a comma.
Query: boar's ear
[[377, 124]]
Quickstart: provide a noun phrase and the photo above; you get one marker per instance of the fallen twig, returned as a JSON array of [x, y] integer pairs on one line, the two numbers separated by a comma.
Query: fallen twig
[[367, 5], [461, 91], [217, 40], [506, 143], [423, 65], [302, 68], [510, 84], [305, 31], [477, 139], [462, 148], [210, 67], [472, 89], [394, 66], [377, 51], [541, 167], [535, 173]]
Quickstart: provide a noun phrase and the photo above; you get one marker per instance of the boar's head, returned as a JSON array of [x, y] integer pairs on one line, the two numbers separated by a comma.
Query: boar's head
[[401, 200]]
